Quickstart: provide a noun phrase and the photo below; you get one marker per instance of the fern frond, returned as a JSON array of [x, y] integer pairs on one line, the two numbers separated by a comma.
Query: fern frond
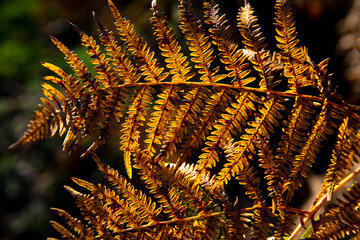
[[293, 55], [285, 224], [138, 47], [342, 219], [342, 157], [79, 99], [106, 103], [198, 42], [75, 224], [188, 133], [216, 104], [126, 210], [167, 196], [135, 117], [178, 66], [125, 214], [125, 189], [159, 118], [104, 74], [121, 63], [255, 43], [91, 209], [187, 114], [303, 161], [170, 49], [190, 183], [292, 139], [250, 180], [230, 55], [230, 124], [48, 119], [65, 233], [265, 121], [274, 175], [84, 80]]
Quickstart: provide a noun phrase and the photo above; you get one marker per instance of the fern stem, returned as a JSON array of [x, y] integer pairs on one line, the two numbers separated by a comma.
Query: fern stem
[[174, 221], [319, 99], [320, 203], [209, 215]]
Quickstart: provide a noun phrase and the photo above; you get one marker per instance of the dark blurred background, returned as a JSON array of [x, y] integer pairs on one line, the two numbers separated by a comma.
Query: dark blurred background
[[32, 177]]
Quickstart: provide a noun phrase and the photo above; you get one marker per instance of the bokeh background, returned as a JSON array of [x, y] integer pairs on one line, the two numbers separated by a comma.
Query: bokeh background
[[32, 177]]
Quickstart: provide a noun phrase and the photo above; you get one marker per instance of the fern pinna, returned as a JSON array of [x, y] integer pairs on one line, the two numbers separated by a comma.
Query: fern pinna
[[229, 112]]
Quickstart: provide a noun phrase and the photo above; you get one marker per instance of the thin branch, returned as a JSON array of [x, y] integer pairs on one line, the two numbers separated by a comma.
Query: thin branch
[[320, 99], [320, 203], [243, 210]]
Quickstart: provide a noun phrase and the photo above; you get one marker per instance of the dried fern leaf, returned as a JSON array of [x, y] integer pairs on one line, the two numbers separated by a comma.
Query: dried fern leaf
[[135, 117], [99, 212], [265, 120], [138, 47], [254, 43], [48, 119], [125, 189], [292, 54], [198, 42], [188, 134], [342, 157], [273, 173], [104, 74], [167, 196], [121, 63], [62, 230], [84, 79], [160, 118], [303, 162], [229, 124], [230, 55], [83, 230], [178, 66], [285, 224], [175, 60], [293, 137], [216, 104], [187, 114], [342, 219]]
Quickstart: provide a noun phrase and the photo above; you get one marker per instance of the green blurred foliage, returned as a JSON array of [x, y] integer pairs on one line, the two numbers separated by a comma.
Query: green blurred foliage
[[31, 178]]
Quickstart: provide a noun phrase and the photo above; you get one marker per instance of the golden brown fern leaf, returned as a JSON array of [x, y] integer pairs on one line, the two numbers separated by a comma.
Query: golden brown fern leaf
[[342, 219], [170, 49], [176, 62], [294, 132], [125, 71], [78, 227], [137, 47], [303, 161], [343, 156], [195, 137], [230, 54], [294, 58], [199, 45], [52, 116], [255, 45], [231, 122], [138, 212], [265, 120]]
